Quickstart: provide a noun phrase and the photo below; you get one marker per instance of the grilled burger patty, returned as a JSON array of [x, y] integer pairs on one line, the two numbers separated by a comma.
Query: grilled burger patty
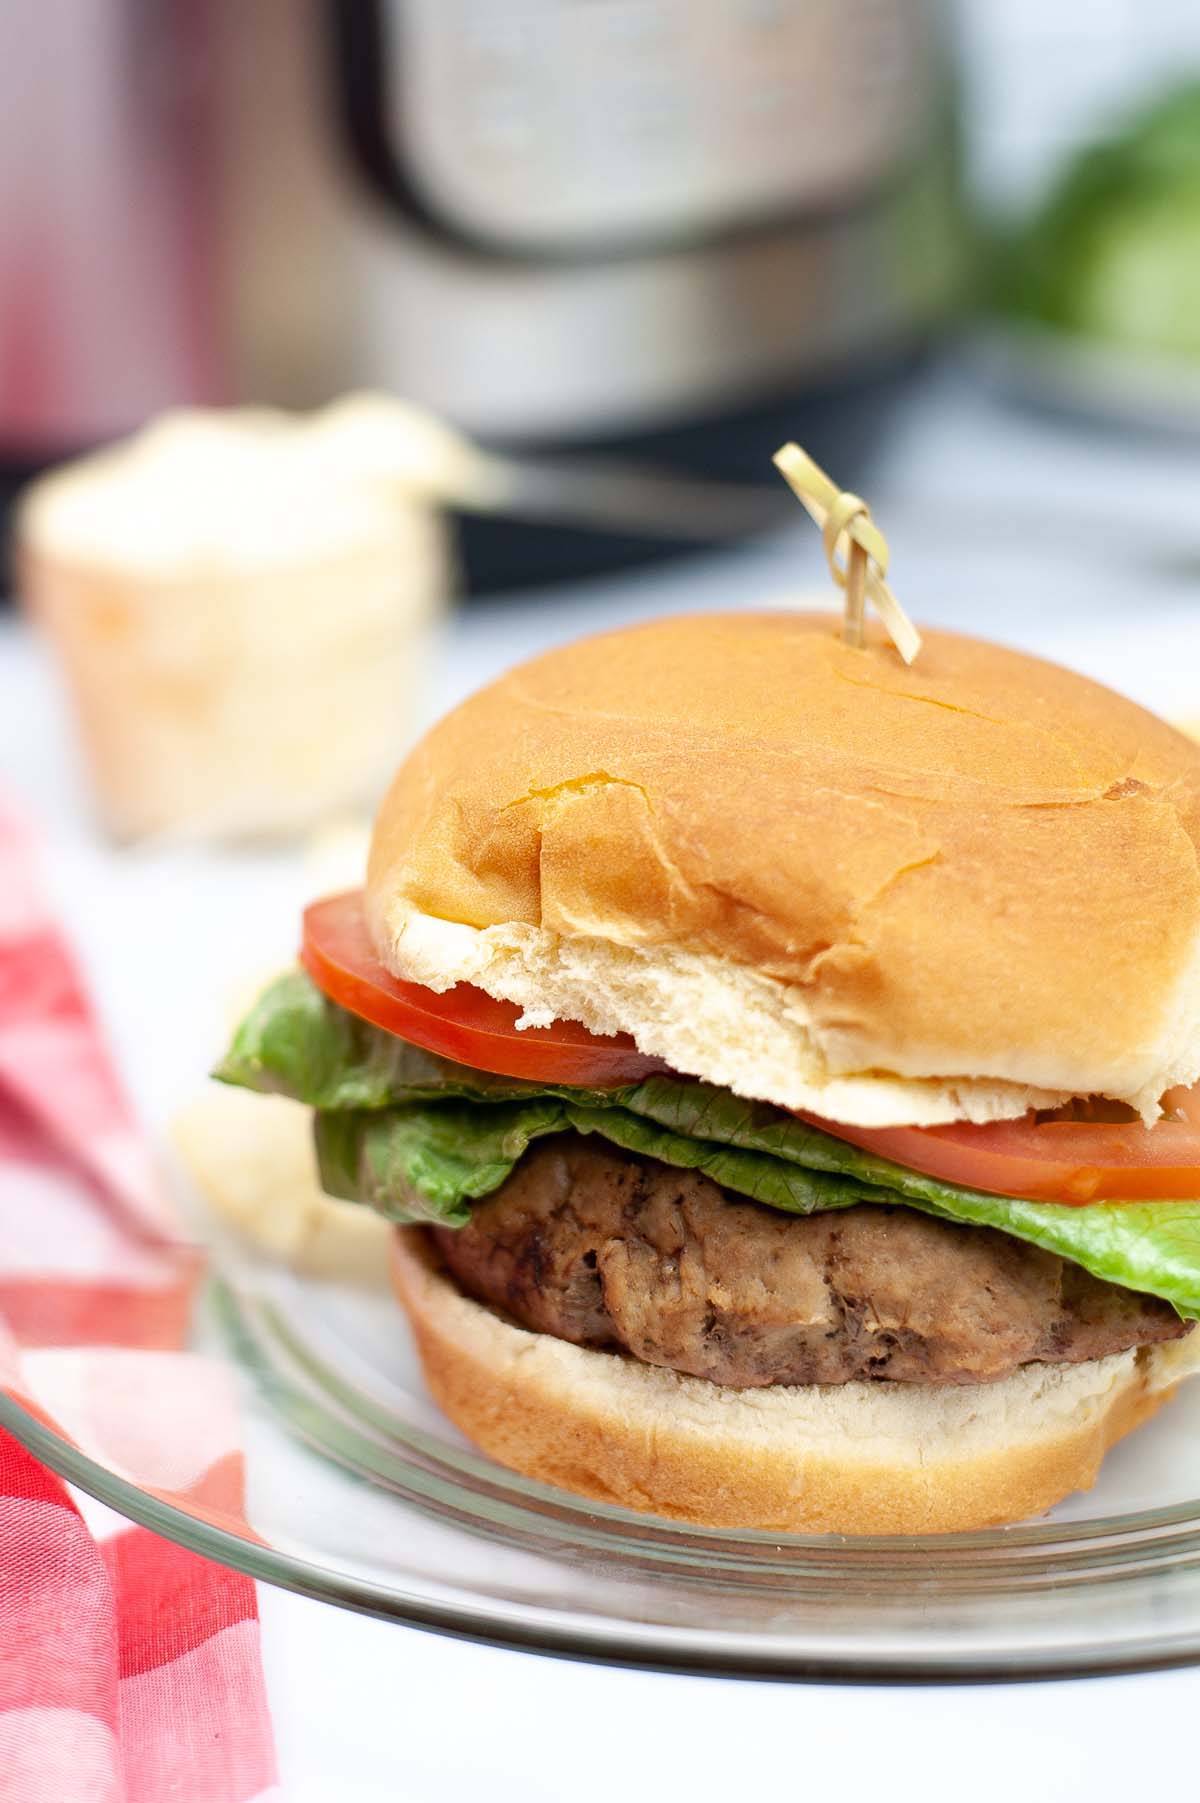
[[607, 1249]]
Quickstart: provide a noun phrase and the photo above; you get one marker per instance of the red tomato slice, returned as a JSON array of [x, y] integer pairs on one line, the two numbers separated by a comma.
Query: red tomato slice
[[463, 1023], [1072, 1160], [1048, 1159]]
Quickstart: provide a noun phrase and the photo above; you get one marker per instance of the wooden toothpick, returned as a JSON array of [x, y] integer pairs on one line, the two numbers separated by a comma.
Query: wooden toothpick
[[856, 595], [844, 516]]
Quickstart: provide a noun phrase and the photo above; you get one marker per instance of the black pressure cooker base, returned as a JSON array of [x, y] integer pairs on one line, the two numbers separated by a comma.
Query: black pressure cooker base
[[841, 425]]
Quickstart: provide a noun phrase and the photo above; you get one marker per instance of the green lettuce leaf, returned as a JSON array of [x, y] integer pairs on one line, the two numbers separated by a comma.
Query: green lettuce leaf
[[295, 1042], [429, 1161], [420, 1138]]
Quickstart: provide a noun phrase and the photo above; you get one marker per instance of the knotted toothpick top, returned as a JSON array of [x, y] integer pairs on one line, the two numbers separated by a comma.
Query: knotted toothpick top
[[846, 525]]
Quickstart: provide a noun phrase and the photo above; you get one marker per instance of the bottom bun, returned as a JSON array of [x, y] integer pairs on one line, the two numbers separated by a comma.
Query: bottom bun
[[858, 1458]]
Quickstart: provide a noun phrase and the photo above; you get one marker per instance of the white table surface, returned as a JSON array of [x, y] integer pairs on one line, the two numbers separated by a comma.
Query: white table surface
[[366, 1709]]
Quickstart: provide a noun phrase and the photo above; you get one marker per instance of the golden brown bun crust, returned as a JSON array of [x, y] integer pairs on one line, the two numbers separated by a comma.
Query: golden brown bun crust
[[856, 1459], [982, 866]]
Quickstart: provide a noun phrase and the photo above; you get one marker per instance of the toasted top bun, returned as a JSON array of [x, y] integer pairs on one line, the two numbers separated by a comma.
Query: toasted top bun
[[810, 873]]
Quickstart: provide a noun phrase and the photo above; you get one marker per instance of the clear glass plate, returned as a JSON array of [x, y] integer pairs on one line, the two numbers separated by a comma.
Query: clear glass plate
[[361, 1493]]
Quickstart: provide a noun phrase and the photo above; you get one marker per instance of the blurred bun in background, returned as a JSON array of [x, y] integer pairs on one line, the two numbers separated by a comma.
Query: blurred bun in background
[[239, 602]]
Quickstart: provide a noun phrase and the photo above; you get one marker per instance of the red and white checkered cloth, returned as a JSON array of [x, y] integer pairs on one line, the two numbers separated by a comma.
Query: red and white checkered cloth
[[129, 1667]]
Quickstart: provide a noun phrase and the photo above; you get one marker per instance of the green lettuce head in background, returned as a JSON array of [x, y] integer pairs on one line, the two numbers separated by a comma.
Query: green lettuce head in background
[[1113, 254]]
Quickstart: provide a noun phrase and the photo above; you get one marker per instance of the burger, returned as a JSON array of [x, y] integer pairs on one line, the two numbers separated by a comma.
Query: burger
[[777, 1061]]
